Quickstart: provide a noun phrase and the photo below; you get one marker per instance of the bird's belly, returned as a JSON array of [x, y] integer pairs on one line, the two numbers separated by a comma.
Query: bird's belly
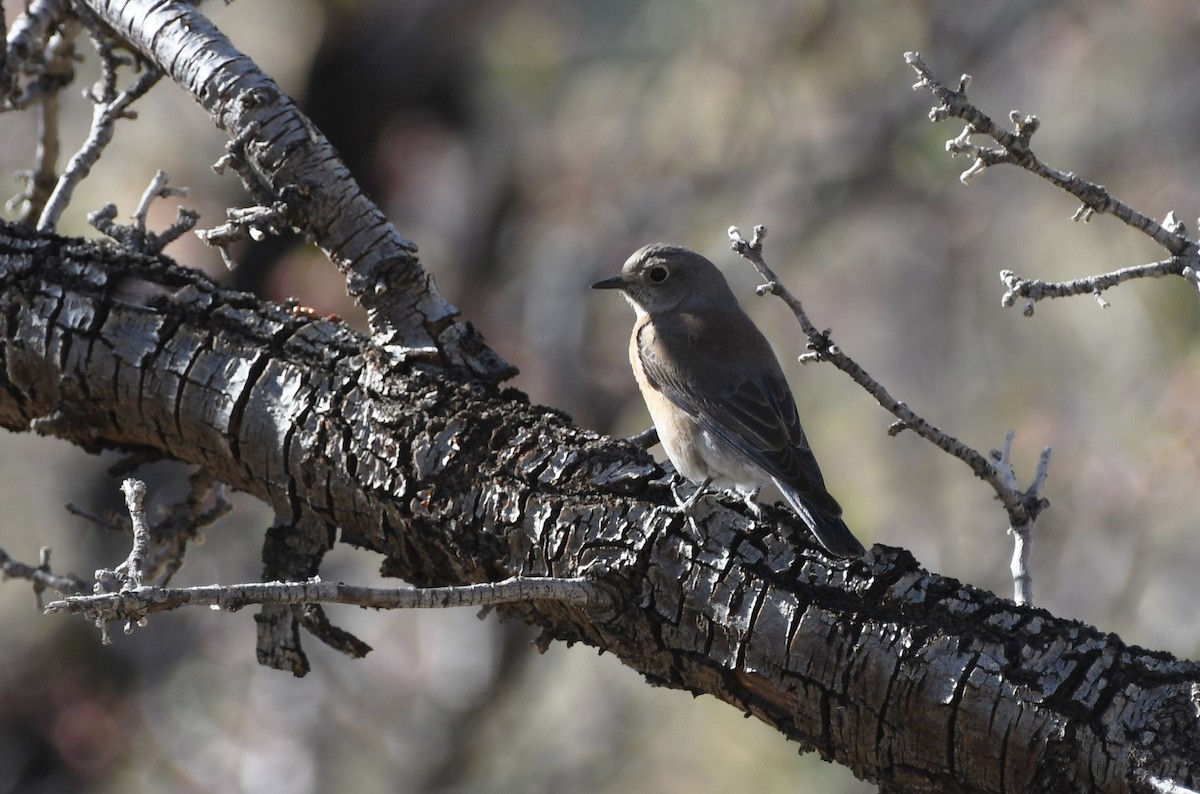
[[728, 469], [699, 455], [678, 433]]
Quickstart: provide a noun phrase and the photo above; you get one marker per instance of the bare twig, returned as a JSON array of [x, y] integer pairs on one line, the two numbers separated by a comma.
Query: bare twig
[[1014, 148], [134, 566], [122, 595], [104, 119], [58, 72], [44, 176], [41, 576], [133, 605], [1033, 290], [580, 591], [112, 521], [184, 524], [135, 235], [23, 56], [1022, 533], [41, 53], [158, 188], [269, 217], [255, 223], [33, 26], [131, 236], [170, 535], [1022, 507]]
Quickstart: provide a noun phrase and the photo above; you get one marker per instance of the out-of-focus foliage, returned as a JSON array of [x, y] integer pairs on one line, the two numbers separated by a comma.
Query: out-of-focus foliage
[[528, 147]]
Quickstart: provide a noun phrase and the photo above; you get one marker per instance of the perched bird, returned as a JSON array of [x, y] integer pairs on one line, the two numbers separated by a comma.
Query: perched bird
[[716, 392]]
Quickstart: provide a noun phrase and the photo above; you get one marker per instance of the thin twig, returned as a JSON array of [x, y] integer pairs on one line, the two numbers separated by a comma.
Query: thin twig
[[112, 521], [1022, 507], [45, 170], [1022, 533], [180, 526], [1014, 148], [59, 71], [135, 604], [41, 576], [135, 235], [158, 188], [121, 595], [47, 67], [256, 223], [1034, 290], [183, 525], [134, 566], [33, 26], [104, 119]]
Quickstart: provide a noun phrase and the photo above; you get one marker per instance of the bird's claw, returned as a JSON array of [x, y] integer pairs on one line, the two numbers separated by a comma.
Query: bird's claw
[[751, 500], [684, 506]]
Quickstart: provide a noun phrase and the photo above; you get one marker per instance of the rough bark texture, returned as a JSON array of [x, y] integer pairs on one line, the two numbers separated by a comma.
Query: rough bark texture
[[284, 161], [910, 679]]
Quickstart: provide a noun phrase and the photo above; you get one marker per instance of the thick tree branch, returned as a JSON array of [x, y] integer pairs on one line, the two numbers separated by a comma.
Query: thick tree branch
[[403, 445], [909, 679], [282, 156]]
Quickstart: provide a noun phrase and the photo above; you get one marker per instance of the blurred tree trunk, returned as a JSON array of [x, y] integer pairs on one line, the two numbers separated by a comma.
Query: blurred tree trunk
[[405, 445]]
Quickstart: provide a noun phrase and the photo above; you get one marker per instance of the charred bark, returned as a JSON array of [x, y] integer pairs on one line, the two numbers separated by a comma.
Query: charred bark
[[913, 680]]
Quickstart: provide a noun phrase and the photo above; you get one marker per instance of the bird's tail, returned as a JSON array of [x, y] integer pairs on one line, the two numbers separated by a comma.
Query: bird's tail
[[829, 528]]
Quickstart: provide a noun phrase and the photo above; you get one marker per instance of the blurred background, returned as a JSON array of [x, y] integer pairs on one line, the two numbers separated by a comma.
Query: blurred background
[[528, 147]]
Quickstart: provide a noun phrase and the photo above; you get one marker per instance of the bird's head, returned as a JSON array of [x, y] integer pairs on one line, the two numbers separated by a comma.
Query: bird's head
[[660, 278]]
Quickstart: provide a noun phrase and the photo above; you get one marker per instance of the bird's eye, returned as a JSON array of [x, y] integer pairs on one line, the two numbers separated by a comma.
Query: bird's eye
[[658, 274]]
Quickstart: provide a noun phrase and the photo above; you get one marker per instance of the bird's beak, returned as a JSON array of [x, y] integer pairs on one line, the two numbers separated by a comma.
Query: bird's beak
[[616, 282]]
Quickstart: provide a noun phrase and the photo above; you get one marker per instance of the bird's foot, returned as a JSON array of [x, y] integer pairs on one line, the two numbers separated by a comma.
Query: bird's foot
[[751, 500], [685, 506]]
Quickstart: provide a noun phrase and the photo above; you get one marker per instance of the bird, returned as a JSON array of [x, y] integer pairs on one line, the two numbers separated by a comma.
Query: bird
[[716, 392]]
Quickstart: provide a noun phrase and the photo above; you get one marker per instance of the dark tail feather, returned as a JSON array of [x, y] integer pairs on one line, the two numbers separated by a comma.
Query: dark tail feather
[[830, 530]]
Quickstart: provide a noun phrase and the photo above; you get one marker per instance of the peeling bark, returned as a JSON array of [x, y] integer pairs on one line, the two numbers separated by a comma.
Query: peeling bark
[[912, 680]]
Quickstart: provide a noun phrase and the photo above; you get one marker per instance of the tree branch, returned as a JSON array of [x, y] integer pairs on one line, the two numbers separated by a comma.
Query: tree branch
[[1034, 290], [40, 575], [121, 595], [1014, 148], [910, 679], [456, 482], [137, 602], [1022, 506], [287, 159], [24, 55]]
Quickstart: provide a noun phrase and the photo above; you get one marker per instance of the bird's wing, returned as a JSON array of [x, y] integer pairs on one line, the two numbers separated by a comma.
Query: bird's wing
[[741, 398]]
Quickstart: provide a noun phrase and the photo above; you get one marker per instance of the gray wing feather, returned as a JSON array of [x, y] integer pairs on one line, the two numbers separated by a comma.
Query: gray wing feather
[[744, 400]]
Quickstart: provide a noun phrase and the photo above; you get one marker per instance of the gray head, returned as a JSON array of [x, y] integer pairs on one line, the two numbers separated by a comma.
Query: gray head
[[661, 278]]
